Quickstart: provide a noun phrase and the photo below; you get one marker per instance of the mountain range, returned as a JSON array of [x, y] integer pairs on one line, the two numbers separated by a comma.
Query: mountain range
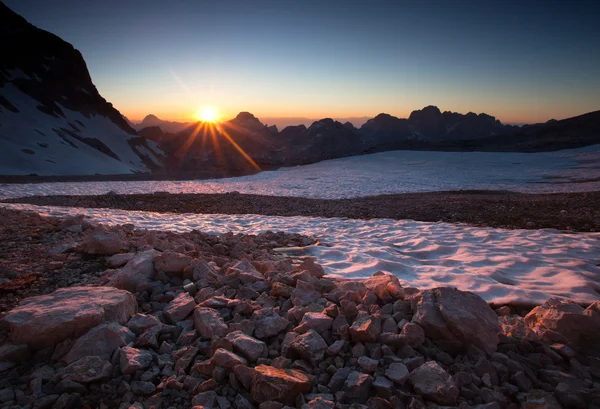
[[53, 121]]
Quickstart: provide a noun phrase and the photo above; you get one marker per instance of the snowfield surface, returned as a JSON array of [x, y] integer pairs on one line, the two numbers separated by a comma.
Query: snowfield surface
[[379, 173], [29, 143], [502, 266]]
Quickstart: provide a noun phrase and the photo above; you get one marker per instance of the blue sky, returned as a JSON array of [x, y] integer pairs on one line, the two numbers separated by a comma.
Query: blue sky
[[520, 61]]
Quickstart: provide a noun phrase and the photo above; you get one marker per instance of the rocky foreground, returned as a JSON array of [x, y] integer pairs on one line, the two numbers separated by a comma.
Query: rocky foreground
[[170, 320]]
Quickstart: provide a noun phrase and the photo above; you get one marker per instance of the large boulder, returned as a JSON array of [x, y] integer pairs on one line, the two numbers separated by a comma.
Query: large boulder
[[102, 242], [209, 323], [566, 322], [100, 341], [281, 385], [433, 383], [172, 262], [456, 319], [138, 271], [46, 320]]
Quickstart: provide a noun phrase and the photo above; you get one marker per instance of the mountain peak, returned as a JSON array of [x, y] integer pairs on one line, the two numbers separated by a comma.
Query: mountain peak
[[150, 117]]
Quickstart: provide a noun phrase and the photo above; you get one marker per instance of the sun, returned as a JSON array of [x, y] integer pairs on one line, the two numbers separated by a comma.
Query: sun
[[206, 115]]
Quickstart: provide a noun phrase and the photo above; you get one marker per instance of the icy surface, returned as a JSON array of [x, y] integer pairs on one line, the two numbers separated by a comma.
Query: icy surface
[[502, 266], [380, 173]]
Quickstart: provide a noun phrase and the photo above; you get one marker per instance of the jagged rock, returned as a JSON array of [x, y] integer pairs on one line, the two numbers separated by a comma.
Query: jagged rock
[[133, 359], [309, 346], [415, 336], [209, 323], [69, 312], [365, 328], [319, 403], [227, 359], [386, 287], [102, 242], [397, 373], [179, 308], [140, 323], [367, 364], [316, 270], [566, 322], [358, 386], [14, 352], [137, 272], [283, 385], [539, 399], [456, 318], [171, 262], [246, 345], [316, 321], [100, 341], [89, 369], [268, 323], [432, 382], [119, 260]]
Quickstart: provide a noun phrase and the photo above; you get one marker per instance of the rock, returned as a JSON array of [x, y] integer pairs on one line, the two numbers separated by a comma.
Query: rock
[[282, 385], [227, 359], [367, 364], [383, 386], [304, 294], [209, 323], [100, 341], [242, 403], [309, 346], [46, 320], [268, 323], [137, 272], [171, 262], [358, 386], [433, 383], [14, 352], [397, 373], [316, 321], [415, 336], [248, 346], [386, 287], [119, 260], [365, 328], [313, 268], [133, 359], [336, 347], [319, 403], [338, 379], [539, 399], [246, 272], [102, 242], [179, 308], [142, 388], [456, 318], [69, 386], [566, 322], [140, 323], [206, 400], [89, 369]]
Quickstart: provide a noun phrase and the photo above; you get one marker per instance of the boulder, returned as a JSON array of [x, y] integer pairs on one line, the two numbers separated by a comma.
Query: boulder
[[119, 260], [171, 262], [46, 320], [456, 319], [268, 323], [433, 383], [140, 323], [100, 341], [227, 359], [138, 271], [313, 268], [365, 328], [566, 322], [209, 323], [102, 242], [88, 369], [133, 359], [179, 308], [309, 346], [246, 345], [314, 320], [281, 385], [386, 287], [397, 373], [358, 386], [14, 352]]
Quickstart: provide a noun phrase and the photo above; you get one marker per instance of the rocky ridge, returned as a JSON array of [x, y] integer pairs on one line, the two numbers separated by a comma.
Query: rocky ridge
[[224, 322]]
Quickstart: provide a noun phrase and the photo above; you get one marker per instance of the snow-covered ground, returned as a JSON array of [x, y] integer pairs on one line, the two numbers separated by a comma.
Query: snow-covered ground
[[380, 173], [502, 266]]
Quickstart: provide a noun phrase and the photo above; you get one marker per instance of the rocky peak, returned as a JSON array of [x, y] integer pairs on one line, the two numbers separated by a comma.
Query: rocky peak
[[248, 121]]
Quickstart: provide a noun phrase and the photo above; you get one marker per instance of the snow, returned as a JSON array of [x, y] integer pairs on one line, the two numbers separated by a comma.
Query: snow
[[502, 266], [379, 173], [32, 129]]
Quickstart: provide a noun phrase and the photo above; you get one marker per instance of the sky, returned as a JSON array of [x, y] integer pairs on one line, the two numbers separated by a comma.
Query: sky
[[521, 61]]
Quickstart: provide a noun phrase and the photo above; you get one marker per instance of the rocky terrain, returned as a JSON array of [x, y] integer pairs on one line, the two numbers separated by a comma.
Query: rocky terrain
[[190, 320], [562, 211]]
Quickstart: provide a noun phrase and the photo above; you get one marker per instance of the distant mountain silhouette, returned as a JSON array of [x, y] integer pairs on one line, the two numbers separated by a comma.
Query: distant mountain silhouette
[[167, 126]]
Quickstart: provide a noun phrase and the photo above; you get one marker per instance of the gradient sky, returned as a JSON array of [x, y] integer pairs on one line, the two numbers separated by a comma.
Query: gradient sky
[[519, 61]]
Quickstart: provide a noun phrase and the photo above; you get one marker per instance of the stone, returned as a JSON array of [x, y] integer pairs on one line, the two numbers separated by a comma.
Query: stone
[[133, 359], [246, 272], [386, 287], [102, 242], [566, 322], [433, 383], [206, 400], [397, 373], [383, 386], [309, 346], [282, 385], [69, 386], [227, 359], [179, 308], [142, 388], [241, 402], [338, 379], [316, 321], [70, 312], [140, 323], [415, 336], [539, 399], [268, 323], [367, 364], [88, 369], [171, 262], [313, 268], [304, 294], [365, 328], [138, 271], [119, 260], [336, 347], [209, 323], [100, 341], [358, 386], [248, 346], [14, 352], [456, 318]]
